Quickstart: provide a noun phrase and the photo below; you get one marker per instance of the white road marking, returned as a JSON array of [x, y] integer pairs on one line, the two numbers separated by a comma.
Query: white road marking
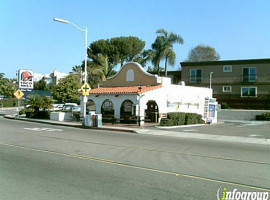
[[43, 129], [187, 130], [256, 135]]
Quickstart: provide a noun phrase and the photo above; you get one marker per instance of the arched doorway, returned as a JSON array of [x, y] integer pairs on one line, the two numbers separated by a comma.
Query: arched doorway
[[107, 111], [90, 106], [127, 114], [151, 113]]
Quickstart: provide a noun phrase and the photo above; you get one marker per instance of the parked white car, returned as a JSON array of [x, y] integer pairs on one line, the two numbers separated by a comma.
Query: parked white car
[[70, 106], [57, 107]]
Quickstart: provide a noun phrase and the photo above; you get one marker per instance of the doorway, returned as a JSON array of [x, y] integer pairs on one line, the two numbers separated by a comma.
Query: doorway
[[151, 113]]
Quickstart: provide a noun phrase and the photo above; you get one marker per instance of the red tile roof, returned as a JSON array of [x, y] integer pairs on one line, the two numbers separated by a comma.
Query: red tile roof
[[124, 90]]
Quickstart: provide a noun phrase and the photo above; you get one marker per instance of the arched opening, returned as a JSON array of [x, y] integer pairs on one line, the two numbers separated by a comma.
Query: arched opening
[[107, 111], [127, 114], [90, 106], [151, 113]]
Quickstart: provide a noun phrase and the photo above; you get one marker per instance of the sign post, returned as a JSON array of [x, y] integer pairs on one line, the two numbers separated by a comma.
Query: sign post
[[85, 92], [18, 94]]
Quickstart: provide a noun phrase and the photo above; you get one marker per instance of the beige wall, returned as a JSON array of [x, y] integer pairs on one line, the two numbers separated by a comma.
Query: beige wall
[[141, 77], [263, 71], [235, 80]]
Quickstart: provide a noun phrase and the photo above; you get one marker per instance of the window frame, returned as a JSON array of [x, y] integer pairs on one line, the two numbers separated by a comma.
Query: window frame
[[229, 86], [248, 96], [225, 66], [250, 78], [198, 79]]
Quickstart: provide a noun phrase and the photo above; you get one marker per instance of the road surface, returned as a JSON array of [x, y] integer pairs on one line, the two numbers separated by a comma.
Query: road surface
[[39, 161]]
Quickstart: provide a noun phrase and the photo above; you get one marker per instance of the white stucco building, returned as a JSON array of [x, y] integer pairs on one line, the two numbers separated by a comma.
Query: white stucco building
[[134, 94], [53, 77]]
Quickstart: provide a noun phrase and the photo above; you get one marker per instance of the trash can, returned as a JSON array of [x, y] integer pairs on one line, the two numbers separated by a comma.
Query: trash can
[[93, 118]]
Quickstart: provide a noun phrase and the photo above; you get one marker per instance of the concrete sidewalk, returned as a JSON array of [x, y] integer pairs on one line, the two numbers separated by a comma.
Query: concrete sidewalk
[[154, 131]]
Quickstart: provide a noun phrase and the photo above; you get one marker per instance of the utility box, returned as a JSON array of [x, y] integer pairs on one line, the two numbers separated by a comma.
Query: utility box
[[97, 120], [88, 121]]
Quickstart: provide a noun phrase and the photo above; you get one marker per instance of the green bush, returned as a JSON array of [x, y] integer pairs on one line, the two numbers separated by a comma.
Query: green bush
[[225, 105], [264, 116], [26, 110], [31, 113], [176, 119], [42, 114], [193, 118], [12, 102]]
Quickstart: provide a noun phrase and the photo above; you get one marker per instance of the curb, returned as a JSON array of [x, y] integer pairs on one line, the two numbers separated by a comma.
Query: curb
[[69, 125]]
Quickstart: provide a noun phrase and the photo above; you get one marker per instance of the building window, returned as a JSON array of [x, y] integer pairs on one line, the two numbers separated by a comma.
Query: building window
[[227, 68], [195, 75], [248, 91], [130, 75], [227, 88], [249, 74]]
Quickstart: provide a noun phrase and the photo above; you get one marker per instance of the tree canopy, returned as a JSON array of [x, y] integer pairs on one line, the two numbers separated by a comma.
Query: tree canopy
[[118, 49], [202, 53], [7, 86], [67, 89], [41, 85], [162, 49]]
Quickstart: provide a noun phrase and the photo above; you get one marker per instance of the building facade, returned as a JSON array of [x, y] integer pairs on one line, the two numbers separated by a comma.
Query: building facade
[[136, 95], [52, 78], [243, 84]]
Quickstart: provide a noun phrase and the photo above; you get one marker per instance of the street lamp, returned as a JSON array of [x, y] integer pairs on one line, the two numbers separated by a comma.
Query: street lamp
[[85, 60], [211, 73]]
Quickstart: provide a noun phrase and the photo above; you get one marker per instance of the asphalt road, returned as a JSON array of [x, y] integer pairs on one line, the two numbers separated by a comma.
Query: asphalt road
[[251, 129], [39, 161]]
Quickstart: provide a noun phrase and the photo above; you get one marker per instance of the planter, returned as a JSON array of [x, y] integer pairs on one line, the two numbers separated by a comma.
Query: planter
[[60, 116]]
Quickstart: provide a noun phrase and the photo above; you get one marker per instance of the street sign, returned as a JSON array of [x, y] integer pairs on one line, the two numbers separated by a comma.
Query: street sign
[[26, 79], [85, 89], [18, 94]]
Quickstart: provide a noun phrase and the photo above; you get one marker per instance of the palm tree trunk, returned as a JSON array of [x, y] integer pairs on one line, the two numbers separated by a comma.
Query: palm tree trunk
[[166, 60]]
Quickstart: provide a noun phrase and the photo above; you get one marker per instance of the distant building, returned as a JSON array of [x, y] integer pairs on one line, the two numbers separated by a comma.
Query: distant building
[[241, 84], [174, 75], [52, 78]]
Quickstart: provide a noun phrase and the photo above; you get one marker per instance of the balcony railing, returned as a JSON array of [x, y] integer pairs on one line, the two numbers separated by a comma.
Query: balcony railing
[[250, 78], [195, 79]]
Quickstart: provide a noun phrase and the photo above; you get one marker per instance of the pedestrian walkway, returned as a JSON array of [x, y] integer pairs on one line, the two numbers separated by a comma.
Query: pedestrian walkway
[[152, 129]]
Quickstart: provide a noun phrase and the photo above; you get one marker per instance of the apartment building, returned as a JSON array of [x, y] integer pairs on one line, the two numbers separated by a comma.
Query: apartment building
[[243, 84]]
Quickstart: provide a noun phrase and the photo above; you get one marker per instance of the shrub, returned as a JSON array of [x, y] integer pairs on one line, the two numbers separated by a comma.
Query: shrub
[[26, 110], [31, 113], [193, 118], [12, 102], [263, 116], [176, 119], [225, 105]]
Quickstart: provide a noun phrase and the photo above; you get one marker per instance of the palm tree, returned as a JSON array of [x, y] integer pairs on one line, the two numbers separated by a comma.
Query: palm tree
[[165, 42], [154, 55], [99, 69]]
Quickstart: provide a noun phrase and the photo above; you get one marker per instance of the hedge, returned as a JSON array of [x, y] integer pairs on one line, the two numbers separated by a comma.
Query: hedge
[[176, 119], [30, 113], [263, 116], [12, 102]]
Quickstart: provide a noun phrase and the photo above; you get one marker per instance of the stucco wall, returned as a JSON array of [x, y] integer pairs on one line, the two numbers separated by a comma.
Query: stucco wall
[[141, 77]]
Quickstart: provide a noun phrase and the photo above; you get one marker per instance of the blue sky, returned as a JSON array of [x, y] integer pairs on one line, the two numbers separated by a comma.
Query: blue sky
[[30, 39]]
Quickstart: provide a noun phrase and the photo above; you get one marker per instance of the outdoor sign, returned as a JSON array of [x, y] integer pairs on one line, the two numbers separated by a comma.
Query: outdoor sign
[[85, 89], [18, 94], [26, 79]]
